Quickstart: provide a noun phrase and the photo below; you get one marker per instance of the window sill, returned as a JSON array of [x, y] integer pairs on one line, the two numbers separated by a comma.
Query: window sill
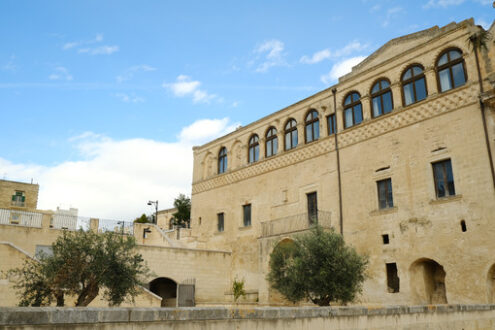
[[445, 199], [245, 227], [219, 232], [388, 210]]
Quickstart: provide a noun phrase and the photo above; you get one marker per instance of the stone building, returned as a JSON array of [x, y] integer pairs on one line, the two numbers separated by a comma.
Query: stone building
[[397, 156]]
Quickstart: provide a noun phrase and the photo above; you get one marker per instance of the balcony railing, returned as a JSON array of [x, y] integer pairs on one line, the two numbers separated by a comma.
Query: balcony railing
[[21, 218], [295, 223], [18, 203]]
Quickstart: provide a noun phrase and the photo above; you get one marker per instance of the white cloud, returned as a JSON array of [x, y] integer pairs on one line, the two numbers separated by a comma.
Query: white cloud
[[60, 73], [186, 87], [391, 14], [448, 3], [10, 65], [129, 98], [130, 72], [324, 54], [204, 130], [341, 68], [270, 54], [317, 57], [86, 46], [102, 50], [114, 179], [483, 23]]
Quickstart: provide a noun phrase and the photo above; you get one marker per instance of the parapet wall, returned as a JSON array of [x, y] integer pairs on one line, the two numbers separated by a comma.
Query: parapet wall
[[393, 317]]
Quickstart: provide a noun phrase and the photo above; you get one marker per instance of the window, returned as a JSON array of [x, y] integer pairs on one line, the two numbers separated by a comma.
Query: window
[[444, 178], [220, 224], [246, 211], [353, 111], [381, 98], [385, 198], [222, 160], [312, 124], [18, 199], [290, 134], [254, 149], [451, 72], [332, 127], [312, 208], [393, 281], [271, 145], [413, 85]]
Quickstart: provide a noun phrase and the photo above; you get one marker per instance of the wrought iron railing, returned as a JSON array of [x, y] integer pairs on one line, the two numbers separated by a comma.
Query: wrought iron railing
[[120, 227], [295, 223]]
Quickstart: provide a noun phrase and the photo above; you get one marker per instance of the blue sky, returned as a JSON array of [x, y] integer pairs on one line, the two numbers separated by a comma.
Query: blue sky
[[102, 100]]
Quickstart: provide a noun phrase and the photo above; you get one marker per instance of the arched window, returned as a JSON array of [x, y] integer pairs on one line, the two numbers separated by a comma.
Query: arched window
[[290, 134], [381, 98], [353, 111], [451, 72], [222, 160], [254, 149], [312, 124], [413, 85], [271, 145]]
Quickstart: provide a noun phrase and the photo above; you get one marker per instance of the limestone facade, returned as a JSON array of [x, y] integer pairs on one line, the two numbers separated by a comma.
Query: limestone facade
[[416, 190], [18, 195]]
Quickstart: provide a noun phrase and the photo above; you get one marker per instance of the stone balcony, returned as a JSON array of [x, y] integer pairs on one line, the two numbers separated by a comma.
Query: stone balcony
[[295, 223]]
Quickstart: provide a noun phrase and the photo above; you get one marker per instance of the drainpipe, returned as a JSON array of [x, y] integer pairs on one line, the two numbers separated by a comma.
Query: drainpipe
[[341, 218], [482, 107]]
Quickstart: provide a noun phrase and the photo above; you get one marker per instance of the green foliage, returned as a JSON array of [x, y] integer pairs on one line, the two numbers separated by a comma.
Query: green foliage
[[317, 266], [142, 219], [82, 264], [238, 289], [183, 215], [479, 39]]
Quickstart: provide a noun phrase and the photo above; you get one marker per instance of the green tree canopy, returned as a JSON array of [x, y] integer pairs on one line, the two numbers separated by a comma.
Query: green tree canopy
[[82, 264], [183, 215], [317, 266], [142, 219]]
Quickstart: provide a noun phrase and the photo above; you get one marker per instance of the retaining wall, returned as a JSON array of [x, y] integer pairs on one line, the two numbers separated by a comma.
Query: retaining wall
[[393, 317]]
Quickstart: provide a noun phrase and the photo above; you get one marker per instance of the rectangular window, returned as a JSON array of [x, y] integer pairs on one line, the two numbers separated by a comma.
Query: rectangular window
[[393, 281], [312, 208], [220, 224], [246, 210], [18, 199], [444, 178], [385, 197], [331, 124]]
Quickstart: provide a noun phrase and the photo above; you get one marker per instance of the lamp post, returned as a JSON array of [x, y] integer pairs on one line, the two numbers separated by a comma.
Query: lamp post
[[156, 210]]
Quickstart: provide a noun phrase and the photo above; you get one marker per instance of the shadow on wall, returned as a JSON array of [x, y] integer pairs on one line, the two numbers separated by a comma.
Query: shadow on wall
[[165, 288], [428, 282]]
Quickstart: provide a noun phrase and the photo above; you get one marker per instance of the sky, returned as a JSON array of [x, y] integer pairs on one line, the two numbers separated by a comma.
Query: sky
[[102, 101]]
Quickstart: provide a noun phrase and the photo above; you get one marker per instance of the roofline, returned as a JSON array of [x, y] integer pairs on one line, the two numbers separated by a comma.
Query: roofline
[[12, 181]]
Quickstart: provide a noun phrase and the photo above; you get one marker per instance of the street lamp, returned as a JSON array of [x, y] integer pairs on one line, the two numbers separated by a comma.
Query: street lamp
[[156, 210]]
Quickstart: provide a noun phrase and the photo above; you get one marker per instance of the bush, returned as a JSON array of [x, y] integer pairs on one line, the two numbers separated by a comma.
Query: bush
[[317, 266]]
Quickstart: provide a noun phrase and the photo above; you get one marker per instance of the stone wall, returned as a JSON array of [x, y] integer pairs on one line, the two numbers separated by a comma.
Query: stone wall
[[450, 317], [9, 188]]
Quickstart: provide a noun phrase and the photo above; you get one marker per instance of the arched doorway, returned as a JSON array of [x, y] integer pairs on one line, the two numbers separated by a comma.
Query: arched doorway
[[275, 297], [165, 288], [490, 282], [428, 282]]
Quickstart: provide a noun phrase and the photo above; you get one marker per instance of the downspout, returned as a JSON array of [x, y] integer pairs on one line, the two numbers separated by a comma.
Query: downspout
[[482, 107], [341, 218]]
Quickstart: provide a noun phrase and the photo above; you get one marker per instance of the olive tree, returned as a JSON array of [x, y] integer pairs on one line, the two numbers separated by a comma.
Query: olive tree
[[83, 264], [318, 266]]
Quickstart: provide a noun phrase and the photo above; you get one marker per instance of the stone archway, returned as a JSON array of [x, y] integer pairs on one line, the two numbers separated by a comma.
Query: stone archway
[[165, 288], [428, 282], [490, 284], [275, 297]]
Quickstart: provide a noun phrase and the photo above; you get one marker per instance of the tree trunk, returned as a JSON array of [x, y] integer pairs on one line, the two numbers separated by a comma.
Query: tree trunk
[[60, 298], [87, 295]]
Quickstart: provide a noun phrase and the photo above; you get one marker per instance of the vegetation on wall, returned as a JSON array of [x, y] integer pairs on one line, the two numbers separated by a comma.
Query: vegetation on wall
[[83, 264], [142, 219], [238, 289], [317, 266]]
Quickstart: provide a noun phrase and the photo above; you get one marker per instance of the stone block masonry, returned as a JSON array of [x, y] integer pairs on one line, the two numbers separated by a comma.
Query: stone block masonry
[[392, 317]]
